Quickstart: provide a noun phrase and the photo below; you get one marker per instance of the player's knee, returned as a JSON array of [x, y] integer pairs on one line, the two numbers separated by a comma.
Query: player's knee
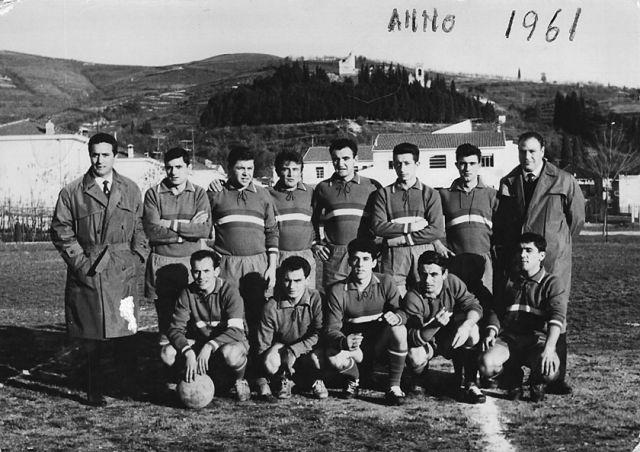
[[488, 365], [417, 358], [340, 361], [168, 354], [234, 355], [399, 335], [474, 336], [271, 361]]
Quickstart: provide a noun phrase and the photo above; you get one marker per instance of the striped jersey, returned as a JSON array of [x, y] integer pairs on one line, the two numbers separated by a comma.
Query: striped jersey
[[529, 305], [421, 310], [395, 209], [293, 214], [183, 238], [469, 217], [244, 220], [348, 311], [217, 316], [339, 209]]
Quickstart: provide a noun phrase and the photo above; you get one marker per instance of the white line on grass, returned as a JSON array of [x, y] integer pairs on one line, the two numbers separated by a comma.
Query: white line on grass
[[487, 416], [637, 448]]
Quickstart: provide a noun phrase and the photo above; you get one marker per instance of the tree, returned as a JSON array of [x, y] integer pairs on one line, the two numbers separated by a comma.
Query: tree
[[606, 158]]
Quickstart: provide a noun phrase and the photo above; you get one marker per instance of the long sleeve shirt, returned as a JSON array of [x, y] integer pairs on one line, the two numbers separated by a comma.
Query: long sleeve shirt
[[529, 305], [217, 316], [469, 217], [182, 238], [341, 210], [293, 213], [297, 325], [421, 310], [395, 209], [349, 311], [244, 220]]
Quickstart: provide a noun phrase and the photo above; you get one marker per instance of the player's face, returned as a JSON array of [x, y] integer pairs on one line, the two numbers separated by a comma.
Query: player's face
[[468, 167], [433, 277], [204, 275], [405, 167], [530, 258], [242, 173], [344, 162], [102, 159], [530, 153], [177, 172], [290, 174], [362, 265], [294, 283]]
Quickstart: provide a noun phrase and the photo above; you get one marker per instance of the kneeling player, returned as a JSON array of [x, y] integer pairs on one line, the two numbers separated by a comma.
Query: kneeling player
[[211, 310], [289, 330], [432, 331], [363, 320], [531, 312]]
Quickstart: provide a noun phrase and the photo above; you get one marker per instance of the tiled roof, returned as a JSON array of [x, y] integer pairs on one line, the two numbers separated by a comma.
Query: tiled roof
[[321, 154], [27, 127], [386, 141]]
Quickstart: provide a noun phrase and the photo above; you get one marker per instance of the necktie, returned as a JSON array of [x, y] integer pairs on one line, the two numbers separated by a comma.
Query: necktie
[[531, 177], [106, 190]]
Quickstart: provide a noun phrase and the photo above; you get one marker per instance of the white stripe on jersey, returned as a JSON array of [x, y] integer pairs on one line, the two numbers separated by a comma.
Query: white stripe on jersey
[[471, 218], [293, 217], [344, 212], [364, 318], [240, 219]]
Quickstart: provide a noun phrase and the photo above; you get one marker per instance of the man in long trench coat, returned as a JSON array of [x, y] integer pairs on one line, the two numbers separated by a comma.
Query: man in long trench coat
[[537, 196], [97, 229]]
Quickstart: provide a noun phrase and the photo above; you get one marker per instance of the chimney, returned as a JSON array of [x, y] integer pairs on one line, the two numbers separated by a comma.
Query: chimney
[[49, 128], [130, 151]]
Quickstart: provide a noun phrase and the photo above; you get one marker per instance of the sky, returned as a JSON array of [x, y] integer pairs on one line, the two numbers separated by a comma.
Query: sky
[[605, 46]]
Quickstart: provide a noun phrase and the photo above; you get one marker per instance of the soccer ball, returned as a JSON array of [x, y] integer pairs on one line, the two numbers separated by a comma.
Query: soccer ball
[[197, 394]]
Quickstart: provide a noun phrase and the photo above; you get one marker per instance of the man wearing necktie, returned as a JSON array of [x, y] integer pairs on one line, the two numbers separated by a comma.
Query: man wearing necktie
[[538, 197], [97, 229]]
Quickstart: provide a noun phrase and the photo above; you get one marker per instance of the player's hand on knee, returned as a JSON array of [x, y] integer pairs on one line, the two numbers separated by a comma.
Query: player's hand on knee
[[392, 318], [321, 251], [443, 316], [191, 366], [550, 362], [289, 359], [354, 340], [490, 340], [462, 334], [203, 358]]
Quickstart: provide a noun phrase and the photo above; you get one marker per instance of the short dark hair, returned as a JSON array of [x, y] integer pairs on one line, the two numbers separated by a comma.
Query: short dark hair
[[407, 148], [531, 237], [237, 153], [204, 254], [293, 263], [535, 135], [363, 245], [466, 150], [287, 156], [102, 137], [342, 143], [176, 153], [431, 257]]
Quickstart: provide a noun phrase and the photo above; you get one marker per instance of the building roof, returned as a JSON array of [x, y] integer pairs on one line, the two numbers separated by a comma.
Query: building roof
[[28, 127], [386, 141], [321, 154]]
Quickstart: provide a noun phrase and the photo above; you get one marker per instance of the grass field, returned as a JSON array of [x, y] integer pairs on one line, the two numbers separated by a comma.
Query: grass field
[[40, 392]]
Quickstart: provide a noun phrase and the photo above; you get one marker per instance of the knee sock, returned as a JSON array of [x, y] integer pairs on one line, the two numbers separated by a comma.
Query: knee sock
[[238, 372], [351, 373], [396, 366]]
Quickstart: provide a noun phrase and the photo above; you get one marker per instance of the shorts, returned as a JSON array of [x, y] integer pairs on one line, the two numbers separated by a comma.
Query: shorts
[[336, 268], [475, 270], [401, 262], [166, 276], [308, 256]]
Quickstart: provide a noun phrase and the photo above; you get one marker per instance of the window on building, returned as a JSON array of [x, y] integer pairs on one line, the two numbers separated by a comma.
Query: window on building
[[319, 172], [487, 160], [438, 161], [390, 164]]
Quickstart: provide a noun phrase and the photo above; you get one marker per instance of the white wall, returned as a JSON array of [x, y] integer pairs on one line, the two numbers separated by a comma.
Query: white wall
[[629, 192]]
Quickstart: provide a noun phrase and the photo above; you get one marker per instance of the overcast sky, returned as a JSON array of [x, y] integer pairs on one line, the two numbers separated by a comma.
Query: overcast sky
[[605, 48]]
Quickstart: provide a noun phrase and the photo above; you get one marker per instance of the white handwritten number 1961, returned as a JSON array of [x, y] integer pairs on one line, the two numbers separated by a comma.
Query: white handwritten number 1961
[[530, 20]]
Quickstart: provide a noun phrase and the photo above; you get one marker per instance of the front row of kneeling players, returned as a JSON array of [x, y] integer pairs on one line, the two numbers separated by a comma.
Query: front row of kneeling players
[[364, 320]]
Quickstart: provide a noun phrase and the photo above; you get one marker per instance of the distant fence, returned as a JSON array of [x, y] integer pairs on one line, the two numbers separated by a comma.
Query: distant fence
[[633, 210], [24, 223]]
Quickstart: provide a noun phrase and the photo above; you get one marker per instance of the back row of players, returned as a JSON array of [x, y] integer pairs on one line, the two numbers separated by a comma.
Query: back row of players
[[440, 257]]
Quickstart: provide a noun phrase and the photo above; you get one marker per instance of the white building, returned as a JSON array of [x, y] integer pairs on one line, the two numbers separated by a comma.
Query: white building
[[318, 166], [437, 156], [347, 66]]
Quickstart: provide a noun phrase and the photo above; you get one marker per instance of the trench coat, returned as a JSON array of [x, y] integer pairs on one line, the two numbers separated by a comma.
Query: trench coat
[[556, 212], [101, 240]]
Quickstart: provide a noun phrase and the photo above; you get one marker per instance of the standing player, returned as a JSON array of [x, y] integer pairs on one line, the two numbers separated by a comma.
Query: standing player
[[246, 234], [442, 319], [211, 311], [536, 196], [339, 213], [292, 200], [289, 331], [176, 219], [526, 322], [363, 322], [408, 215], [97, 228]]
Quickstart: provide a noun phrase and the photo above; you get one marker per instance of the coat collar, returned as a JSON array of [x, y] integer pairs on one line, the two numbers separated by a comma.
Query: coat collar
[[458, 185], [279, 186], [251, 187], [334, 178], [396, 186], [164, 188], [284, 303]]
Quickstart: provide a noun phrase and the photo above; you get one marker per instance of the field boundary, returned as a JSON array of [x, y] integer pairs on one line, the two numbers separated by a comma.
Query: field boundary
[[487, 416]]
